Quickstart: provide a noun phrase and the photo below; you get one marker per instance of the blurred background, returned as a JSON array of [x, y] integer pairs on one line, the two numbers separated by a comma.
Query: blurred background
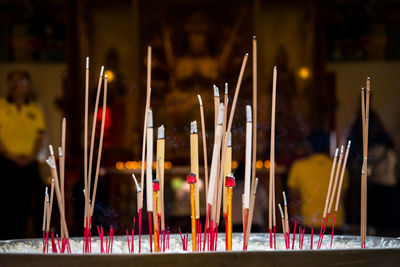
[[324, 50]]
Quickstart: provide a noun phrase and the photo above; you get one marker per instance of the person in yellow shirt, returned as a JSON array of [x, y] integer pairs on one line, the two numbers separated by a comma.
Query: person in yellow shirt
[[308, 185], [21, 136]]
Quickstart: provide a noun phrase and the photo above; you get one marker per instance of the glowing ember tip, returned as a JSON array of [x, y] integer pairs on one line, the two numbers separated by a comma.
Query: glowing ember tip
[[87, 62], [101, 71]]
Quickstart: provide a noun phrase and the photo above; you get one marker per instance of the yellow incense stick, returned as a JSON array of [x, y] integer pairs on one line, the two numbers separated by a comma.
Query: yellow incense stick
[[227, 171], [156, 188], [160, 171], [191, 180], [194, 163], [229, 184]]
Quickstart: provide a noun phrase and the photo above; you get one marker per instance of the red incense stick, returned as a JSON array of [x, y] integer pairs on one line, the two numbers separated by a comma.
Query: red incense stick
[[294, 234], [140, 229], [312, 237]]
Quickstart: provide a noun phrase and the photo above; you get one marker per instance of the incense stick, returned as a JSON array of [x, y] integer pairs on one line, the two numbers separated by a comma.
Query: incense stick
[[251, 211], [100, 150], [149, 161], [194, 164], [221, 182], [85, 138], [340, 187], [96, 106], [160, 171], [148, 94], [191, 180], [271, 214], [254, 141], [61, 155], [203, 134], [229, 184], [247, 172], [227, 171]]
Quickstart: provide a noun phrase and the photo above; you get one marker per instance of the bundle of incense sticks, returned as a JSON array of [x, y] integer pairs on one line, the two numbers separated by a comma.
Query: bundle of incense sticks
[[365, 103], [90, 197], [335, 180], [147, 107], [271, 202], [56, 186]]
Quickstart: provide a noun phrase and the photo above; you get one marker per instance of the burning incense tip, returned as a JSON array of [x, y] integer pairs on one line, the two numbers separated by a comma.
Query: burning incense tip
[[368, 78], [149, 118], [247, 54], [221, 113], [60, 153], [348, 144], [336, 152], [105, 76], [341, 149], [161, 132], [226, 88], [136, 183], [200, 102], [193, 127], [255, 186], [87, 62], [284, 198], [50, 163], [281, 211], [275, 67], [101, 71], [51, 150], [216, 91], [362, 88], [230, 139], [248, 113], [254, 37]]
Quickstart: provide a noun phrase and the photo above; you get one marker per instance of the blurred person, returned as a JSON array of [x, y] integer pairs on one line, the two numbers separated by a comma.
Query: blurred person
[[383, 187], [260, 205], [308, 185], [21, 136]]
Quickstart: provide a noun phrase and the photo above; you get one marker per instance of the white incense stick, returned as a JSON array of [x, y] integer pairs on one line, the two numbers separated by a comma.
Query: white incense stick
[[247, 172], [149, 161]]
